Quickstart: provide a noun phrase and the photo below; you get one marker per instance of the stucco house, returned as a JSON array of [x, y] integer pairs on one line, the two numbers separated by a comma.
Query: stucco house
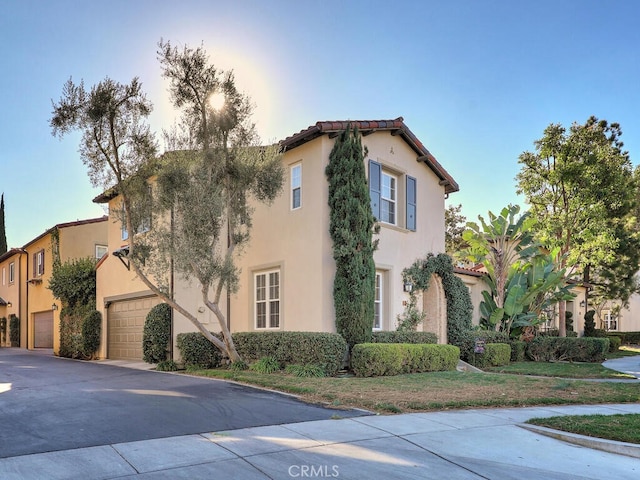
[[287, 271], [26, 272]]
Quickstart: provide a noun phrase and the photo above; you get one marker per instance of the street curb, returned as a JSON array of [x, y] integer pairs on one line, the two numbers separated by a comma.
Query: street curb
[[610, 446]]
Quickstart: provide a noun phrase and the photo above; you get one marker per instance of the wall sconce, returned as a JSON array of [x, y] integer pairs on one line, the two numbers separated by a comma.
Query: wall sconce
[[54, 307], [583, 304], [407, 287]]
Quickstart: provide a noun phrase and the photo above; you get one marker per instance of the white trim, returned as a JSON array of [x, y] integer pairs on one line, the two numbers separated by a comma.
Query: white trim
[[378, 302], [267, 299]]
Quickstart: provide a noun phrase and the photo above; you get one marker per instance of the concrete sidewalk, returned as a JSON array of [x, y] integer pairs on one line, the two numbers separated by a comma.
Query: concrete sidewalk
[[465, 444]]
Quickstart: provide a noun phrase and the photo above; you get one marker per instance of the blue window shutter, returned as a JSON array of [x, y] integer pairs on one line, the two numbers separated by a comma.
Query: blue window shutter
[[375, 171], [411, 203]]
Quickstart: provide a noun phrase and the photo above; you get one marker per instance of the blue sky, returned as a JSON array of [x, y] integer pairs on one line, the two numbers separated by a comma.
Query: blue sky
[[476, 81]]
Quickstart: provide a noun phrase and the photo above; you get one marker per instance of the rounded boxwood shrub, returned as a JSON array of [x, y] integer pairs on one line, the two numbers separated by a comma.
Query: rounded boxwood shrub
[[196, 351], [554, 349], [403, 337], [156, 334]]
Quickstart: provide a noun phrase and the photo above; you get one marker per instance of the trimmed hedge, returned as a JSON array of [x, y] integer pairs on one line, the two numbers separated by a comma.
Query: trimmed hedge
[[379, 359], [197, 351], [553, 349], [467, 341], [518, 350], [614, 343], [495, 355], [156, 334], [554, 332], [404, 337], [326, 350]]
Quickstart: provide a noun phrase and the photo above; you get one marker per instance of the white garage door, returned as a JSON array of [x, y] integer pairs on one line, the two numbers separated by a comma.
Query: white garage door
[[43, 329], [125, 323]]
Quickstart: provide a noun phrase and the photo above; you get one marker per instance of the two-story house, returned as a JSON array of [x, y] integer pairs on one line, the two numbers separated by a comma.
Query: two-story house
[[288, 268], [26, 272]]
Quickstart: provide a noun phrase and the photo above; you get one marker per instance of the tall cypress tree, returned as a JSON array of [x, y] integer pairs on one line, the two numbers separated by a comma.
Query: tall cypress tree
[[351, 228], [3, 233]]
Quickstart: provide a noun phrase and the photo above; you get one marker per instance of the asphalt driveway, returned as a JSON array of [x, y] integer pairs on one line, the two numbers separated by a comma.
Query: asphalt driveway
[[50, 404]]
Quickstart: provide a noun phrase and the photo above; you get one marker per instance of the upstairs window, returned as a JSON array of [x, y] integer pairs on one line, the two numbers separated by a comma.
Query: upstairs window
[[12, 272], [296, 186], [387, 190], [38, 263]]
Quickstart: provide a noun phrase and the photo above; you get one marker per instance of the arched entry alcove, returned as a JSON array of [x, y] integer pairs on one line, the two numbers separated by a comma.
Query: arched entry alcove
[[434, 306]]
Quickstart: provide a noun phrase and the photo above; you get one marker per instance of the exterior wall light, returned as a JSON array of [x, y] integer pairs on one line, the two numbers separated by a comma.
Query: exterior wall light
[[54, 307], [408, 287]]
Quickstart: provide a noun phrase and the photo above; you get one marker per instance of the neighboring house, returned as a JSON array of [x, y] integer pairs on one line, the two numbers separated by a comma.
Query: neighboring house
[[29, 269], [614, 317], [12, 290], [287, 270]]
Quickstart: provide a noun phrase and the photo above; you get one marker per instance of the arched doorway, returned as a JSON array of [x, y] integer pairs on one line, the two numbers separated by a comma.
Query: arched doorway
[[434, 305]]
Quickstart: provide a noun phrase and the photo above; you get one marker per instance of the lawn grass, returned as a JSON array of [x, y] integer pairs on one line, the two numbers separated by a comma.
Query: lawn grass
[[436, 391], [623, 428], [624, 351], [561, 369]]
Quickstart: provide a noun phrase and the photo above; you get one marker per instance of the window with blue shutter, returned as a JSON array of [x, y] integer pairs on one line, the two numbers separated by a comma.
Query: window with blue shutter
[[411, 203]]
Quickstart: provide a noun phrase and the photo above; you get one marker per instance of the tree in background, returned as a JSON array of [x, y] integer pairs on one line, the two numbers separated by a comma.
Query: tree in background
[[351, 229], [3, 233], [582, 192], [200, 204], [455, 224]]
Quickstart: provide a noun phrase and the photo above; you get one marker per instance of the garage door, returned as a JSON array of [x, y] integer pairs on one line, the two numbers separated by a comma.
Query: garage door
[[125, 323], [43, 329]]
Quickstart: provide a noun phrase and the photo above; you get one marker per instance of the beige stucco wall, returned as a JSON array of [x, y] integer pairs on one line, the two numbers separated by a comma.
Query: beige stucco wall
[[13, 292], [476, 286], [298, 242]]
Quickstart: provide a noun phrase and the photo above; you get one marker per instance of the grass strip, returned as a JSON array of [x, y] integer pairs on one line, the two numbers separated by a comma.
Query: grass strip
[[620, 427]]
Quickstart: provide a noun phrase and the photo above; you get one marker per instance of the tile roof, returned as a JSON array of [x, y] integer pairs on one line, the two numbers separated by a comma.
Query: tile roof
[[396, 127], [104, 218], [11, 253]]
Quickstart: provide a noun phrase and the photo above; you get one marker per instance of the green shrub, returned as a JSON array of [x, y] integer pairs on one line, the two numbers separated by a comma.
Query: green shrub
[[378, 359], [553, 349], [71, 331], [518, 350], [91, 330], [554, 332], [494, 355], [327, 350], [598, 333], [197, 351], [630, 338], [167, 366], [156, 334], [238, 366], [589, 323], [467, 341], [14, 330], [614, 343], [404, 337], [266, 365], [308, 370]]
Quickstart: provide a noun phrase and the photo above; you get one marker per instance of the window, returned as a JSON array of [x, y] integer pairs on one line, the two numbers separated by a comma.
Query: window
[[411, 203], [142, 211], [377, 305], [267, 299], [296, 186], [12, 272], [610, 320], [4, 276], [385, 194], [101, 251], [388, 198], [38, 263]]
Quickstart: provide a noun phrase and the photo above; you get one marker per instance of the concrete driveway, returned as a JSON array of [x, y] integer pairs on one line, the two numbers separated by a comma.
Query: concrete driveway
[[50, 404]]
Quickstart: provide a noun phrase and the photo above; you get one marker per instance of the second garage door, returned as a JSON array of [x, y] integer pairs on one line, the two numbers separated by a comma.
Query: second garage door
[[43, 329], [125, 323]]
